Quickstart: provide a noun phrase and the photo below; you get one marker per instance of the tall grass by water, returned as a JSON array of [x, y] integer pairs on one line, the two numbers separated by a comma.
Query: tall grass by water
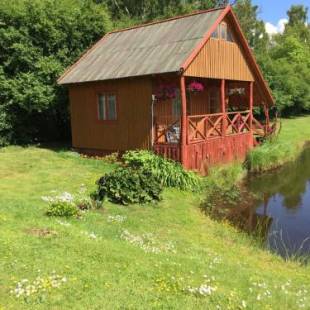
[[295, 132]]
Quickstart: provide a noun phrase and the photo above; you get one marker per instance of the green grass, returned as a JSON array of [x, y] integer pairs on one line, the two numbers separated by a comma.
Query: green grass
[[294, 133], [111, 273]]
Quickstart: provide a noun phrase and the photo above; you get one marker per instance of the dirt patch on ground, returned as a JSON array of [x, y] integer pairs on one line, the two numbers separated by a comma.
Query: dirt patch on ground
[[41, 232]]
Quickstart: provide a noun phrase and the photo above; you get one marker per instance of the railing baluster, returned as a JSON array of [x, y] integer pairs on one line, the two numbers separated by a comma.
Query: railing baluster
[[204, 127]]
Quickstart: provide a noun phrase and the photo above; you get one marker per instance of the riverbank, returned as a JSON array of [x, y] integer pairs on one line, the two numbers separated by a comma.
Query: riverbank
[[287, 146], [294, 133], [167, 255]]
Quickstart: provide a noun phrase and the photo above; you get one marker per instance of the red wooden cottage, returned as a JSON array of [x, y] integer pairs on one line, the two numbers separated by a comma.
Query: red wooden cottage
[[184, 87]]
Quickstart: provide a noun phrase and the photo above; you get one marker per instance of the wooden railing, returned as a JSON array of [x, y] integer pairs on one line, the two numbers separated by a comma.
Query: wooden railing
[[167, 131], [238, 122], [203, 127], [264, 129]]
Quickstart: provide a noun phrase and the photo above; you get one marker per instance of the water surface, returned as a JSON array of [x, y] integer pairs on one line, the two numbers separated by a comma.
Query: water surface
[[282, 210]]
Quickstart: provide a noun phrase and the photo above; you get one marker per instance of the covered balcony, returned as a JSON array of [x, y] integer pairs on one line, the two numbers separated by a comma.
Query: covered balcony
[[203, 122]]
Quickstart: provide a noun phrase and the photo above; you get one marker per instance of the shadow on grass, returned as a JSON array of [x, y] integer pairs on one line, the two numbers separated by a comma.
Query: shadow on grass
[[58, 146]]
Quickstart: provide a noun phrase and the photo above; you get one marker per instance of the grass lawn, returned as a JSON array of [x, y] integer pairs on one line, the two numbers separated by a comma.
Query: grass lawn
[[168, 247]]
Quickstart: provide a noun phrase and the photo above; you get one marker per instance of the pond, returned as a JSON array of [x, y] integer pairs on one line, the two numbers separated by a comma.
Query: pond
[[274, 207], [282, 210]]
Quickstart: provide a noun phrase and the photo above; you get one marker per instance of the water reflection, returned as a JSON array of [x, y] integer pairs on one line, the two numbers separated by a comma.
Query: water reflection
[[283, 207]]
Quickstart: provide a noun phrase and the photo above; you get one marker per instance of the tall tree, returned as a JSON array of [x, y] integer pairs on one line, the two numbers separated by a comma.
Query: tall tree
[[297, 15], [145, 10], [287, 64], [39, 38], [297, 23], [253, 28]]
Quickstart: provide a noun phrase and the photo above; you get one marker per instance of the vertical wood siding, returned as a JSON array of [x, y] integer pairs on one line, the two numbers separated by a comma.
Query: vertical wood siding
[[198, 104], [220, 59], [131, 130], [219, 150], [201, 156]]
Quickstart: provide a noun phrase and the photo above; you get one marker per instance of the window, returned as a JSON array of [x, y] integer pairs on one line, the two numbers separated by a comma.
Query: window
[[107, 107], [215, 34], [223, 32]]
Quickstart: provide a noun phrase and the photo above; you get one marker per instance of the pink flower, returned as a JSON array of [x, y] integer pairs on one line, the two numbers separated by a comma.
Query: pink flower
[[166, 91], [195, 87]]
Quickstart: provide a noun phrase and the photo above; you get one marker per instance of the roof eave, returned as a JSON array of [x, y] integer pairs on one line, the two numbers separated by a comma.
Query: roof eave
[[120, 78]]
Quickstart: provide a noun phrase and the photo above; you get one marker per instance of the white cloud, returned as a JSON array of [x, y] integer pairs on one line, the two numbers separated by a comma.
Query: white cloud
[[272, 29]]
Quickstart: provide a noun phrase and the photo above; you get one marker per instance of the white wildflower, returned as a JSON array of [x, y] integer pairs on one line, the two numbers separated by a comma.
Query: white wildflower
[[202, 290], [63, 223], [147, 242], [25, 288], [116, 218], [65, 197], [91, 235]]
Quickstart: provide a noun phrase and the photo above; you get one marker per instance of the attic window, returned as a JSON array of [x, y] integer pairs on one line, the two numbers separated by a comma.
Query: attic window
[[215, 34], [223, 32]]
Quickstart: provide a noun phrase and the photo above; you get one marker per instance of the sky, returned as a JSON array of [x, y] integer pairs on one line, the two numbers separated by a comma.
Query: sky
[[273, 12]]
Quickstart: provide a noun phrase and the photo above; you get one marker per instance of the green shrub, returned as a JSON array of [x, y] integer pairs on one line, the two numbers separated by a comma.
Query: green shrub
[[126, 185], [62, 208], [221, 200], [66, 204], [86, 203], [169, 173]]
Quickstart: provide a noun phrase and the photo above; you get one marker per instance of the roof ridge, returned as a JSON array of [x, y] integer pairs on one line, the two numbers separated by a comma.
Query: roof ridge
[[168, 19]]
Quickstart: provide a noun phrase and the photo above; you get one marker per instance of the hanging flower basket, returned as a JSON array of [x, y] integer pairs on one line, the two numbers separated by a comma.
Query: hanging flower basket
[[195, 87], [166, 92]]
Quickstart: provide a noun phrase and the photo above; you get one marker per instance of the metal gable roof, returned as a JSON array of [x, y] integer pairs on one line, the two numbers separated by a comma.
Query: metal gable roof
[[159, 47]]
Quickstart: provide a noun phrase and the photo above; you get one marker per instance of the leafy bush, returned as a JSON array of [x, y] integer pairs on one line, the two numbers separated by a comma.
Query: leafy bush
[[169, 173], [220, 197], [67, 204], [62, 208], [85, 202], [126, 185]]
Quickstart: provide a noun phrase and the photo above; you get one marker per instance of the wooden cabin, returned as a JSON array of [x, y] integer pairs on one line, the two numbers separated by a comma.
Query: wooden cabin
[[184, 87]]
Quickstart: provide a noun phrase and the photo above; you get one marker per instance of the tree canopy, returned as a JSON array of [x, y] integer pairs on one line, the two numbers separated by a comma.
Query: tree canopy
[[286, 64], [39, 39]]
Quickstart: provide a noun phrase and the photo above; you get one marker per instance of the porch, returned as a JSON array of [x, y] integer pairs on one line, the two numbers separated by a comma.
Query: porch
[[207, 122]]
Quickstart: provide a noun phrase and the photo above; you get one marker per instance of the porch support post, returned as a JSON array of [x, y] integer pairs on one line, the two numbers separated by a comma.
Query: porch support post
[[223, 107], [183, 123], [251, 104]]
